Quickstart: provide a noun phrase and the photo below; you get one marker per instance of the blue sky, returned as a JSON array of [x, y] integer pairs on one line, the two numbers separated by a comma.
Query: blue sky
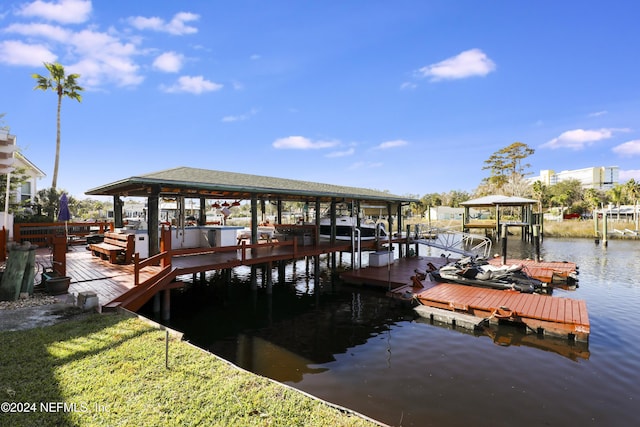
[[409, 96]]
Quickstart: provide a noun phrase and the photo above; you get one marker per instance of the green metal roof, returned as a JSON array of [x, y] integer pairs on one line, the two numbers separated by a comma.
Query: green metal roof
[[194, 182]]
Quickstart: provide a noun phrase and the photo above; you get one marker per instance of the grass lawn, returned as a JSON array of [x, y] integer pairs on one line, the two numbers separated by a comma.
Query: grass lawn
[[109, 370]]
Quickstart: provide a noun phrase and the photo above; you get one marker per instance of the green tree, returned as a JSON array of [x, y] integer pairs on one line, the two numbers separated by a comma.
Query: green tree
[[454, 197], [505, 164], [565, 194], [632, 188], [593, 198], [64, 86], [616, 195], [86, 208], [18, 176], [539, 193], [49, 200]]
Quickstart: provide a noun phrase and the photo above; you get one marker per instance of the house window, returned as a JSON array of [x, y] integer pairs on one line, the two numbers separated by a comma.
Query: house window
[[25, 191]]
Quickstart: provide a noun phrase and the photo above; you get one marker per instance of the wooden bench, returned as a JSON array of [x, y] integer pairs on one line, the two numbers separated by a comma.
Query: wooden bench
[[114, 244]]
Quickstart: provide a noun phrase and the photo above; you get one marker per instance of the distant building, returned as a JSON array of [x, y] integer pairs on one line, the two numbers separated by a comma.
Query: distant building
[[599, 177], [440, 213]]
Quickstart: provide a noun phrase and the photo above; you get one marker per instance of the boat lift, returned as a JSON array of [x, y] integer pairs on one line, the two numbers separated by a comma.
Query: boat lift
[[450, 240]]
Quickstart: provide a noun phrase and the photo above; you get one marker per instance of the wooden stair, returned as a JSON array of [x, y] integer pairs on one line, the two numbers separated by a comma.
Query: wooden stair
[[137, 296]]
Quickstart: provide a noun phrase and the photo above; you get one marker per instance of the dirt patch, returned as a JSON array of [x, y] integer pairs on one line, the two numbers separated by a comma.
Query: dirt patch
[[22, 318]]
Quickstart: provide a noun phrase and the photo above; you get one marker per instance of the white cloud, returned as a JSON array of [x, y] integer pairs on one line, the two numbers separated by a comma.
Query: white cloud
[[408, 86], [177, 25], [51, 32], [170, 62], [104, 58], [301, 143], [365, 165], [391, 144], [629, 148], [63, 11], [241, 117], [626, 175], [193, 84], [577, 139], [598, 113], [344, 153], [469, 63], [16, 52]]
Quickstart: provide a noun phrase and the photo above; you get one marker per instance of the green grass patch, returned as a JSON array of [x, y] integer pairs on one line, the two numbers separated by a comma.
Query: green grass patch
[[109, 370]]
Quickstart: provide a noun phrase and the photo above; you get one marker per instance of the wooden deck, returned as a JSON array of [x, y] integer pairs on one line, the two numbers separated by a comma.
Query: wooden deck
[[114, 284], [542, 314], [91, 274]]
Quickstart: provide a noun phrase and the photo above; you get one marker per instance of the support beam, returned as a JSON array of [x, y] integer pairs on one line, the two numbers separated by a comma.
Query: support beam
[[117, 211], [153, 203], [166, 304], [202, 218], [254, 219]]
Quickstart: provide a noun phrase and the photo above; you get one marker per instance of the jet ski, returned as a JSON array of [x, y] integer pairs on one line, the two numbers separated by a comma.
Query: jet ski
[[478, 272]]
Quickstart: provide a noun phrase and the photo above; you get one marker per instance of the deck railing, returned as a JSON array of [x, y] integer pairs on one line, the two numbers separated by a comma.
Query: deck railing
[[41, 233]]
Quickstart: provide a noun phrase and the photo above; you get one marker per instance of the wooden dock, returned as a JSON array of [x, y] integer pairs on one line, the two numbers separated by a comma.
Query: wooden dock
[[116, 285], [541, 314], [131, 286]]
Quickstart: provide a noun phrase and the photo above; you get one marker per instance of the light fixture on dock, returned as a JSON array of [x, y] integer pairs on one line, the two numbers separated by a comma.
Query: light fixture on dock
[[225, 204], [236, 203], [215, 205]]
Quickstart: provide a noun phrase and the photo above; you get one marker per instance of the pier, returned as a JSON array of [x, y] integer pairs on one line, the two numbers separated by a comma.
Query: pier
[[454, 303]]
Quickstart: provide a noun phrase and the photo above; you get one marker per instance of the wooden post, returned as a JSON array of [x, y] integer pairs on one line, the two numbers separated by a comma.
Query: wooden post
[[166, 306], [504, 244], [605, 231], [156, 303], [595, 225], [268, 270], [536, 241], [60, 254], [316, 275], [407, 241], [117, 211], [254, 278], [399, 215], [153, 221], [3, 244]]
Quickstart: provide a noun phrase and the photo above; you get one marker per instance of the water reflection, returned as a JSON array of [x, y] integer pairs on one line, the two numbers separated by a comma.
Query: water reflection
[[355, 347]]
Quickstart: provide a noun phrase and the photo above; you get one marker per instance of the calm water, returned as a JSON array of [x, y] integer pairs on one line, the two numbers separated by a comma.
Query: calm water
[[354, 347]]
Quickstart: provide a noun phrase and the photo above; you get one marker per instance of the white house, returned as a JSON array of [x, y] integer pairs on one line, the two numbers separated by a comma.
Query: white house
[[440, 213], [11, 160]]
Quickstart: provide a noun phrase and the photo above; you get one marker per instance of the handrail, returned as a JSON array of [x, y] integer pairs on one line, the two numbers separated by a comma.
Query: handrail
[[455, 241], [39, 232], [162, 258]]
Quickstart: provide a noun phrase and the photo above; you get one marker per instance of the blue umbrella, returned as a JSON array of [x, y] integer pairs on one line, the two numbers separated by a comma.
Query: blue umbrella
[[63, 211]]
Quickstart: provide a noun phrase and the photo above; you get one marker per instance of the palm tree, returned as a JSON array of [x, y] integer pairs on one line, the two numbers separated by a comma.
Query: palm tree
[[616, 195], [632, 189], [63, 85]]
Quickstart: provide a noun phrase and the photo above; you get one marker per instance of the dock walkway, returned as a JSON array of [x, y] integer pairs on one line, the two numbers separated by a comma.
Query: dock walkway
[[111, 282], [542, 314]]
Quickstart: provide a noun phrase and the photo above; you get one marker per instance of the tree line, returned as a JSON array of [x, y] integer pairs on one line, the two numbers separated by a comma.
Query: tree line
[[507, 176]]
